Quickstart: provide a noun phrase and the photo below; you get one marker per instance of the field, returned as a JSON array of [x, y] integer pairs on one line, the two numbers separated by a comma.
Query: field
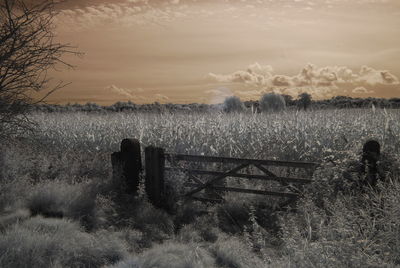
[[59, 206]]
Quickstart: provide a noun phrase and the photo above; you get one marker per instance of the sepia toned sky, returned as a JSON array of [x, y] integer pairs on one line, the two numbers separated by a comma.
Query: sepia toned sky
[[184, 51]]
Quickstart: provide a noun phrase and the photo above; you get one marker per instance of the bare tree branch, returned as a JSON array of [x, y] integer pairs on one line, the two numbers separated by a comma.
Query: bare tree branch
[[28, 50]]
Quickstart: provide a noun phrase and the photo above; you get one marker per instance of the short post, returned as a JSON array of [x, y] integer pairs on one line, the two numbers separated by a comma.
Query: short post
[[128, 164], [369, 162], [154, 184]]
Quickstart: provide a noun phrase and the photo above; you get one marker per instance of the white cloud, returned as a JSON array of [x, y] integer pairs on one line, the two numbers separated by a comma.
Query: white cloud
[[126, 13], [374, 77], [309, 76], [254, 74], [138, 95], [161, 97], [362, 90], [129, 93]]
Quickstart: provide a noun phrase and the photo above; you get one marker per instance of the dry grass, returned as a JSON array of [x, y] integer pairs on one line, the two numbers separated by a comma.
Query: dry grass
[[51, 174]]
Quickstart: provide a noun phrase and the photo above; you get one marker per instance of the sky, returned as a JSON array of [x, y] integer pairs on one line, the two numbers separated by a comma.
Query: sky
[[185, 51]]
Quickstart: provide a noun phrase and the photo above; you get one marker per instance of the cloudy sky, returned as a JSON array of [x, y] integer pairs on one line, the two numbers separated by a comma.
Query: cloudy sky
[[185, 51]]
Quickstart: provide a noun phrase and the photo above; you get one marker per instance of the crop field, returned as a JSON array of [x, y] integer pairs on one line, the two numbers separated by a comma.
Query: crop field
[[287, 135], [59, 206]]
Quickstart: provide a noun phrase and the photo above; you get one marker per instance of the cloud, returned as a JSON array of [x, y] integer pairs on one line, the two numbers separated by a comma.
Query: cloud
[[144, 12], [130, 93], [138, 95], [84, 15], [160, 97], [374, 77], [115, 14], [310, 78], [362, 90], [250, 94], [254, 74]]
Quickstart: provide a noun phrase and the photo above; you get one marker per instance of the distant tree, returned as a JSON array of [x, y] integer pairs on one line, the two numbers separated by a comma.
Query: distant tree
[[27, 52], [304, 101], [395, 102], [233, 104], [288, 99], [272, 102]]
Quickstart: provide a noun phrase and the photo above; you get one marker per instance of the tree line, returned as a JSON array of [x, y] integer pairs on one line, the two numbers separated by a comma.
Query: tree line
[[338, 102]]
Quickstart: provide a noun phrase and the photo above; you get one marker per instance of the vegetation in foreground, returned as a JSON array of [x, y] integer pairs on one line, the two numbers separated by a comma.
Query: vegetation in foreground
[[60, 208]]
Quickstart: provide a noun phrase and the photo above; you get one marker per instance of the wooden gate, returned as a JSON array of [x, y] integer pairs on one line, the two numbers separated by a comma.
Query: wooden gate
[[214, 187]]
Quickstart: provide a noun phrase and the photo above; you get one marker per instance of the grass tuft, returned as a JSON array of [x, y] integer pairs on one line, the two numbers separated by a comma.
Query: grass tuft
[[171, 254], [59, 199], [233, 253], [42, 242]]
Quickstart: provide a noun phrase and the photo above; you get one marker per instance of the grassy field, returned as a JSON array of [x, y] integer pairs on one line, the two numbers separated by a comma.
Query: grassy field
[[63, 170]]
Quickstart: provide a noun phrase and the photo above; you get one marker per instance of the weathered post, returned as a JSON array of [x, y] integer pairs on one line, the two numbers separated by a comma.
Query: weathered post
[[369, 161], [128, 164], [154, 184]]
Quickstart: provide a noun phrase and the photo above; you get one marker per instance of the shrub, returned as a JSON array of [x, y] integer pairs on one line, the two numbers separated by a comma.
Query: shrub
[[201, 230], [233, 105], [189, 234], [59, 199], [10, 219], [132, 237], [272, 102], [155, 224], [349, 231], [40, 242]]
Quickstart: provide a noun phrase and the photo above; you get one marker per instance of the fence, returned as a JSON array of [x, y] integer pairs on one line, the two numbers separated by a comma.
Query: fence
[[213, 189]]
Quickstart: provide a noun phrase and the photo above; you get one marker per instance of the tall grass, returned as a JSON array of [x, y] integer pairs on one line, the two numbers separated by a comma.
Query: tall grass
[[64, 168], [40, 242], [347, 231], [287, 135]]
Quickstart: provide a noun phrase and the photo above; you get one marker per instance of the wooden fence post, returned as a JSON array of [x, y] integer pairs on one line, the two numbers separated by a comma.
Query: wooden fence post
[[128, 164], [155, 163]]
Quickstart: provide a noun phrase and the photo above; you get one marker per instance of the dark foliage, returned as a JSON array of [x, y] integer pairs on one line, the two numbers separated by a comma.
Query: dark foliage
[[338, 102], [304, 101]]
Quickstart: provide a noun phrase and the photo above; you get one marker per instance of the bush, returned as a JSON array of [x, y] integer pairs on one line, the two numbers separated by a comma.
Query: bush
[[272, 102], [40, 242], [132, 237], [13, 218], [348, 231], [59, 199], [155, 224], [199, 231], [233, 105]]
